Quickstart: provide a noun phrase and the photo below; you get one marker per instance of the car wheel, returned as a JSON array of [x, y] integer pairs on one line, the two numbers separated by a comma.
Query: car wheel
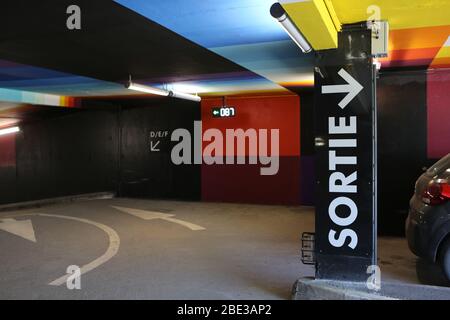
[[444, 258]]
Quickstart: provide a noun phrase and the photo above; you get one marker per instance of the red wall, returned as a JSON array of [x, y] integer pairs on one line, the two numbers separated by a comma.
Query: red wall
[[7, 151], [243, 183], [438, 113]]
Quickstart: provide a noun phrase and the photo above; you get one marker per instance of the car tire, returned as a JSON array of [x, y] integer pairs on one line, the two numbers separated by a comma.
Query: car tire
[[444, 258]]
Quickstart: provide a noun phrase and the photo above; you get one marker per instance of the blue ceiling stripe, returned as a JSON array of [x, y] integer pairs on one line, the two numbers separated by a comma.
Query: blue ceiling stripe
[[213, 23], [242, 31]]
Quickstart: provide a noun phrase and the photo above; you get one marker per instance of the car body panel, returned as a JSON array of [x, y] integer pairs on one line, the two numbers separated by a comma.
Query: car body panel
[[428, 226]]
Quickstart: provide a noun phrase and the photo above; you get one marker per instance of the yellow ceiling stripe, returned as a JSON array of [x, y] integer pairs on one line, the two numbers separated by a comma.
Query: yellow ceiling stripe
[[442, 59], [401, 14], [315, 21], [443, 53]]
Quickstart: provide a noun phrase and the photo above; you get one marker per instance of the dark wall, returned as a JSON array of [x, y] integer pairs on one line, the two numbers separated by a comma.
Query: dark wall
[[307, 123], [402, 144], [66, 155], [77, 152], [150, 174]]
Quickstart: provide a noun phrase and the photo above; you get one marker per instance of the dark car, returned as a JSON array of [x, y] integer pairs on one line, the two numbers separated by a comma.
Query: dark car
[[428, 223]]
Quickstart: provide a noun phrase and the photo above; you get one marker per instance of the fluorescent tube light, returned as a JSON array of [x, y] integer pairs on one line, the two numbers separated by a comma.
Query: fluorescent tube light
[[277, 11], [185, 96], [147, 89], [9, 130]]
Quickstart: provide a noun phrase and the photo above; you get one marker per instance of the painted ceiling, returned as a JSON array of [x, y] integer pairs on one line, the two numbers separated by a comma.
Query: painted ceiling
[[419, 29], [241, 31], [46, 65], [35, 85], [244, 32]]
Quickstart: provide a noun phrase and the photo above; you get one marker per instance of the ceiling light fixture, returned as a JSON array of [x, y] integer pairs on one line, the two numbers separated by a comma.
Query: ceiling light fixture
[[9, 130], [147, 89], [185, 96], [277, 11]]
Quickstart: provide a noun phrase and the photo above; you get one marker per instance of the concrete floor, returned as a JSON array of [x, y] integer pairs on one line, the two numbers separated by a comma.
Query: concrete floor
[[245, 251]]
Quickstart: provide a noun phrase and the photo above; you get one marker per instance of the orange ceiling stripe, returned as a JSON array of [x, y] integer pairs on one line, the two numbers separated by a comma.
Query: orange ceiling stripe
[[304, 83], [412, 54], [441, 63], [429, 37], [416, 46]]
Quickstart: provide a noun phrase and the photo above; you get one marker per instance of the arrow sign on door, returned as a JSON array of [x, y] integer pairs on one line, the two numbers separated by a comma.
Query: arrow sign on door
[[352, 88], [21, 228]]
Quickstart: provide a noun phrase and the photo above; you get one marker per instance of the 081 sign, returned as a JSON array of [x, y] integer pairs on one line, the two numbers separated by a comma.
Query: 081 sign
[[223, 112]]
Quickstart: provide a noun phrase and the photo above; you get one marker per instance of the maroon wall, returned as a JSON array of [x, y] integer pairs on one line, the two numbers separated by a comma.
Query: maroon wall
[[8, 151], [438, 87], [243, 183]]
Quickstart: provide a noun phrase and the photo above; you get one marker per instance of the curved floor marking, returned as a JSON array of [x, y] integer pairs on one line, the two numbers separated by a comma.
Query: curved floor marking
[[113, 248]]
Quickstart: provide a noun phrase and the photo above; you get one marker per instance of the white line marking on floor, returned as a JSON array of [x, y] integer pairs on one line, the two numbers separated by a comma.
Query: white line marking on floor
[[113, 248], [151, 215], [144, 214], [189, 225], [21, 228]]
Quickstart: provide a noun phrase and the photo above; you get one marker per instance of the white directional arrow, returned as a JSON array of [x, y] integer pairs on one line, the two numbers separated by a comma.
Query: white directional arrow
[[352, 88], [153, 146], [144, 214], [151, 215], [21, 228]]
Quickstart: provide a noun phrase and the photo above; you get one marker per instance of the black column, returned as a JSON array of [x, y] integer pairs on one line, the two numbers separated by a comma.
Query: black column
[[345, 129]]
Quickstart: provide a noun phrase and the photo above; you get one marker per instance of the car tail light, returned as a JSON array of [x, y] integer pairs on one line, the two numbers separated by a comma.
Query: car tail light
[[437, 192]]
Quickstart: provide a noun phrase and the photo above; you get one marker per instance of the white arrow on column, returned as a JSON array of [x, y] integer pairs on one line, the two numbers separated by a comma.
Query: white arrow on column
[[352, 88], [151, 215], [21, 228]]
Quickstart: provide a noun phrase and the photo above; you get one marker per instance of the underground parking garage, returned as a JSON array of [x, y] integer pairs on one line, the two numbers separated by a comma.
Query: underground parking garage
[[224, 150]]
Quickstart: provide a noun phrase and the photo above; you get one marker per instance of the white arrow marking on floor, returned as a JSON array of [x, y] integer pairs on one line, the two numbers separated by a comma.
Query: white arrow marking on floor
[[151, 215], [113, 248], [153, 147], [21, 228], [352, 88]]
